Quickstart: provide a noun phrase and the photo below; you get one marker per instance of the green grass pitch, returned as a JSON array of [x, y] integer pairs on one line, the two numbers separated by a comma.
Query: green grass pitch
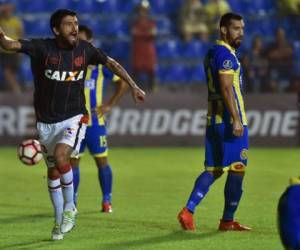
[[151, 185]]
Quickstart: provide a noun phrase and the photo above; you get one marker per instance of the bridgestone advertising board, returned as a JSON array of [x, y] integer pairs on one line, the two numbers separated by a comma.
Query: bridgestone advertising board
[[166, 119]]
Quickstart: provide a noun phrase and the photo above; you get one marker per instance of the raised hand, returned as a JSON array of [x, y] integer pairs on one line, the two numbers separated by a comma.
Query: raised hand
[[138, 95]]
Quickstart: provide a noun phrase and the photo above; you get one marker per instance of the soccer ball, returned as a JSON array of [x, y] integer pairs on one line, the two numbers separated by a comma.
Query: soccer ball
[[30, 152]]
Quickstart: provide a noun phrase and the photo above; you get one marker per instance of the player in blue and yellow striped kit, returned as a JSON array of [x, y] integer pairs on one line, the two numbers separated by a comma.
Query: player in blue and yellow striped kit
[[96, 80], [226, 142]]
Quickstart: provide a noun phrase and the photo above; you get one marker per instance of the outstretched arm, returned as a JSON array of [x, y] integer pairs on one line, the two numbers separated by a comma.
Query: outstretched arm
[[120, 90], [7, 43], [226, 81], [138, 94]]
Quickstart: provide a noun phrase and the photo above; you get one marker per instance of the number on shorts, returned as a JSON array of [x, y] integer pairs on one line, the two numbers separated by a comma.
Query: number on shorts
[[103, 141]]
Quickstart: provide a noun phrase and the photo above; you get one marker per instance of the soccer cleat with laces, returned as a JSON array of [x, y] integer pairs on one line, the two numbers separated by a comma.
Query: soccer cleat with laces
[[106, 207], [68, 221], [56, 233], [232, 226], [185, 218]]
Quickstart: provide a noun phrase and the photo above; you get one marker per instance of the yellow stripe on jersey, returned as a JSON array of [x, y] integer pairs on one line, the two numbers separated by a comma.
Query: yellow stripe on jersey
[[99, 91], [218, 116], [226, 72], [211, 86], [209, 113], [232, 51], [221, 42], [240, 100], [220, 109], [87, 92], [236, 82]]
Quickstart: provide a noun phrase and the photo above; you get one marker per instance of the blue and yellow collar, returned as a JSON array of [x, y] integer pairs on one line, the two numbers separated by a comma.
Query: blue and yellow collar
[[223, 43]]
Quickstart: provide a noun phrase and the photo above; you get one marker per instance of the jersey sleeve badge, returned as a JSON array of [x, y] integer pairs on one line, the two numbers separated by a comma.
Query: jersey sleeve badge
[[227, 64]]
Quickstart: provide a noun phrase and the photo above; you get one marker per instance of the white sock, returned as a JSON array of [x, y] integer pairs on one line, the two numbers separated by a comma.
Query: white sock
[[56, 196], [68, 190]]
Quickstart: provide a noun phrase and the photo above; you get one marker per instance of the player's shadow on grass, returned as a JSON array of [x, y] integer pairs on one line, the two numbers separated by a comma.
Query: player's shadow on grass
[[37, 244], [24, 218], [175, 236], [32, 205]]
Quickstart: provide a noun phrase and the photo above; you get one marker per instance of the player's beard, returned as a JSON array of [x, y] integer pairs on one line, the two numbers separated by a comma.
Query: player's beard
[[233, 42], [72, 41], [236, 43], [68, 42]]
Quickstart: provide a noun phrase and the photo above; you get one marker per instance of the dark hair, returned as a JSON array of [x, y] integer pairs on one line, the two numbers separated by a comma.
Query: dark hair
[[58, 15], [87, 30], [226, 18]]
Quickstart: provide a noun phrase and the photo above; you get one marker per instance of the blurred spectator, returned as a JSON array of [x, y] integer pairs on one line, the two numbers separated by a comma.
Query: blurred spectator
[[214, 10], [193, 21], [289, 7], [143, 47], [10, 62], [281, 62], [255, 67]]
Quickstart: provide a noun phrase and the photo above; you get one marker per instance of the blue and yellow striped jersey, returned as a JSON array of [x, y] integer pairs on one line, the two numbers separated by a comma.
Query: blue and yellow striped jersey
[[97, 78], [221, 59]]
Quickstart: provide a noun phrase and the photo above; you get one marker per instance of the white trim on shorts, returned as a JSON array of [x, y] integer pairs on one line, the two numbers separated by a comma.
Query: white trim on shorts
[[70, 132]]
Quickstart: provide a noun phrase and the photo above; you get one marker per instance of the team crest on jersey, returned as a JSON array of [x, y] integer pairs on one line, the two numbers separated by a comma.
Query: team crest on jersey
[[78, 61], [244, 154], [227, 64], [64, 76]]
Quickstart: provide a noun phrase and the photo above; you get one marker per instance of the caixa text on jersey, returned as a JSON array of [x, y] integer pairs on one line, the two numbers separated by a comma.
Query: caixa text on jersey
[[63, 76]]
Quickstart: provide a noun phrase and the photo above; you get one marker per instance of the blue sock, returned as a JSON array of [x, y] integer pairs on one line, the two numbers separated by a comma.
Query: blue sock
[[105, 180], [200, 189], [76, 180], [233, 192]]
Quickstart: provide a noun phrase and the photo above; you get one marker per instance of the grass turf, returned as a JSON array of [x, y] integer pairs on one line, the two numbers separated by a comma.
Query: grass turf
[[151, 185]]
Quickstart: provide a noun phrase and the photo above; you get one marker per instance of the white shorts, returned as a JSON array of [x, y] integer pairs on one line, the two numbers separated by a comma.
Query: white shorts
[[70, 132]]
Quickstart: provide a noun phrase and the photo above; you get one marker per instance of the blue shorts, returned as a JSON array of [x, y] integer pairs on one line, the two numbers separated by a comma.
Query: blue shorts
[[95, 140], [224, 150]]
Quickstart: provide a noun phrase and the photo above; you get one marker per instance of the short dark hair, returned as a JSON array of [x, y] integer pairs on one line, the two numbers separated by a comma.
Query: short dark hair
[[87, 30], [58, 15], [226, 18]]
